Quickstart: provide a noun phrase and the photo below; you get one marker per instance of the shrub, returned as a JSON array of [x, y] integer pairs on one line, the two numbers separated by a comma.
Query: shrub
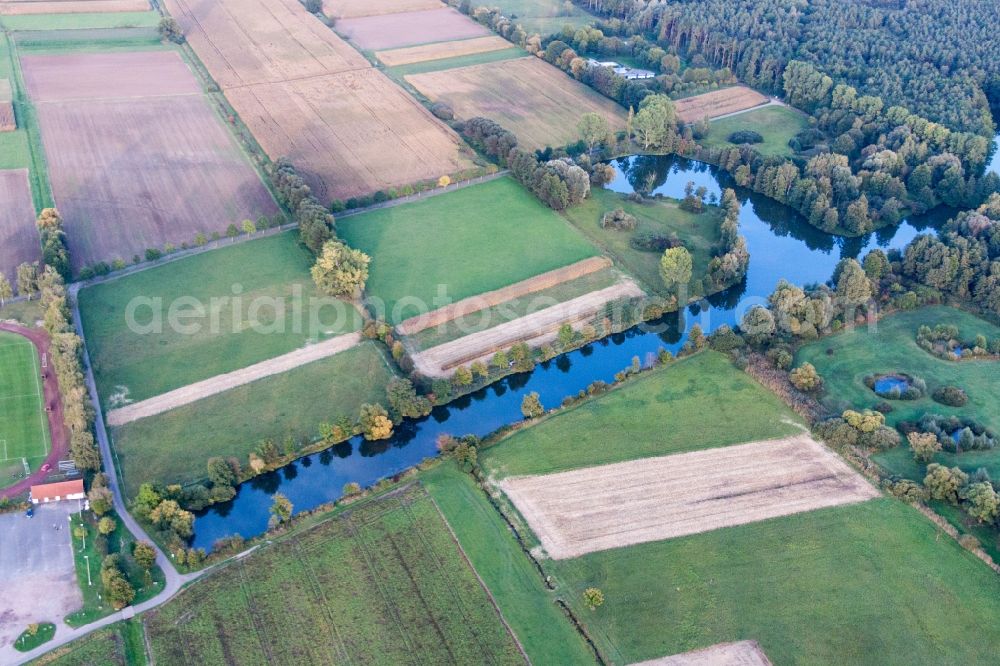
[[647, 240], [442, 111], [805, 378], [951, 396], [745, 136], [618, 220]]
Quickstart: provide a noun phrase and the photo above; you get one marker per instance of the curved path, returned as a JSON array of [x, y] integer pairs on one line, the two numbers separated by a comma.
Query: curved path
[[57, 428], [174, 581]]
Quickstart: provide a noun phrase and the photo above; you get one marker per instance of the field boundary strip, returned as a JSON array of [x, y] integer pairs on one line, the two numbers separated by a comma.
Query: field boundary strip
[[186, 395], [652, 499], [473, 304]]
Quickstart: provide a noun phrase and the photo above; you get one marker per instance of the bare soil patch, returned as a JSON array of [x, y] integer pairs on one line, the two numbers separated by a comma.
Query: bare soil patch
[[717, 103], [138, 171], [740, 653], [529, 97], [389, 31], [651, 499], [18, 235], [7, 121], [354, 8], [220, 383], [440, 50], [12, 7], [535, 329], [467, 306], [308, 95]]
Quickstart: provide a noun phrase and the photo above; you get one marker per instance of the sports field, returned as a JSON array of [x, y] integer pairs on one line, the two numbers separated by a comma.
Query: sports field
[[24, 433], [696, 403], [383, 583], [777, 124], [174, 447], [466, 242], [909, 594], [529, 97], [844, 360], [699, 233], [257, 281]]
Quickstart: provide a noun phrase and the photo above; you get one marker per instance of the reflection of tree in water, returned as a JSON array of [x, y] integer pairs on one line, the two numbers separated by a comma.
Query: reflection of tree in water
[[727, 299], [290, 471], [307, 462], [563, 363], [266, 483]]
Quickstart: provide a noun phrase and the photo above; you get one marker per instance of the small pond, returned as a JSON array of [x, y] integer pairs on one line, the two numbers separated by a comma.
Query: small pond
[[781, 245], [890, 384]]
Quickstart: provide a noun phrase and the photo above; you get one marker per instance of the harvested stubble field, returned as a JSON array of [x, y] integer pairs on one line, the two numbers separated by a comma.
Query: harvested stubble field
[[467, 306], [336, 9], [390, 31], [441, 50], [306, 94], [534, 329], [15, 7], [651, 499], [717, 103], [529, 97], [18, 234], [739, 653], [137, 157], [382, 583]]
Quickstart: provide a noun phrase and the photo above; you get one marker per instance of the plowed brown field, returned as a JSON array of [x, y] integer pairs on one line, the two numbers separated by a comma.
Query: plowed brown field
[[12, 7], [717, 103], [307, 95], [137, 157], [18, 235], [439, 50], [651, 499], [389, 31], [538, 103]]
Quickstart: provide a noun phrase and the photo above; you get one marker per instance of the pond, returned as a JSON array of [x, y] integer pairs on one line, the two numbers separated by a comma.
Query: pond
[[994, 164], [891, 385], [781, 245]]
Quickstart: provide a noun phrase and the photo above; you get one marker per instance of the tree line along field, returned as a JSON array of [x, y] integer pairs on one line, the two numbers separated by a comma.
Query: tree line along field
[[137, 157], [697, 403], [137, 365], [529, 97], [19, 240], [472, 240], [892, 348], [307, 95], [285, 409], [383, 582]]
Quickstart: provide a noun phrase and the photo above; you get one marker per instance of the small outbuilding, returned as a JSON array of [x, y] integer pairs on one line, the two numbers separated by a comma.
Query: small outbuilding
[[57, 492]]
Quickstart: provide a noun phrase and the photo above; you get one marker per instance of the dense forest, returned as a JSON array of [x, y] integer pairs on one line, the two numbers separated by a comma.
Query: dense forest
[[938, 58]]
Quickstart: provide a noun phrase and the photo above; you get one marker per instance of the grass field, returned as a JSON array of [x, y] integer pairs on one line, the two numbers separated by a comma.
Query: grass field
[[909, 594], [175, 446], [22, 148], [518, 307], [697, 403], [472, 240], [892, 348], [24, 432], [80, 21], [529, 608], [544, 17], [400, 71], [120, 541], [121, 644], [384, 582], [698, 232], [777, 124], [144, 365]]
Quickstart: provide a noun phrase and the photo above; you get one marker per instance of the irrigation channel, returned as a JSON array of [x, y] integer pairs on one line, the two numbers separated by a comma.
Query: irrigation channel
[[781, 244]]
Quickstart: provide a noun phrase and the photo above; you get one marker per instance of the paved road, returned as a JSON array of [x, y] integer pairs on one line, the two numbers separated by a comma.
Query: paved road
[[174, 580]]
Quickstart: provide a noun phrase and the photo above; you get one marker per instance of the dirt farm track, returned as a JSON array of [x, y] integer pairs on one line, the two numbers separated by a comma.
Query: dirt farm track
[[306, 94], [651, 499], [137, 157]]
